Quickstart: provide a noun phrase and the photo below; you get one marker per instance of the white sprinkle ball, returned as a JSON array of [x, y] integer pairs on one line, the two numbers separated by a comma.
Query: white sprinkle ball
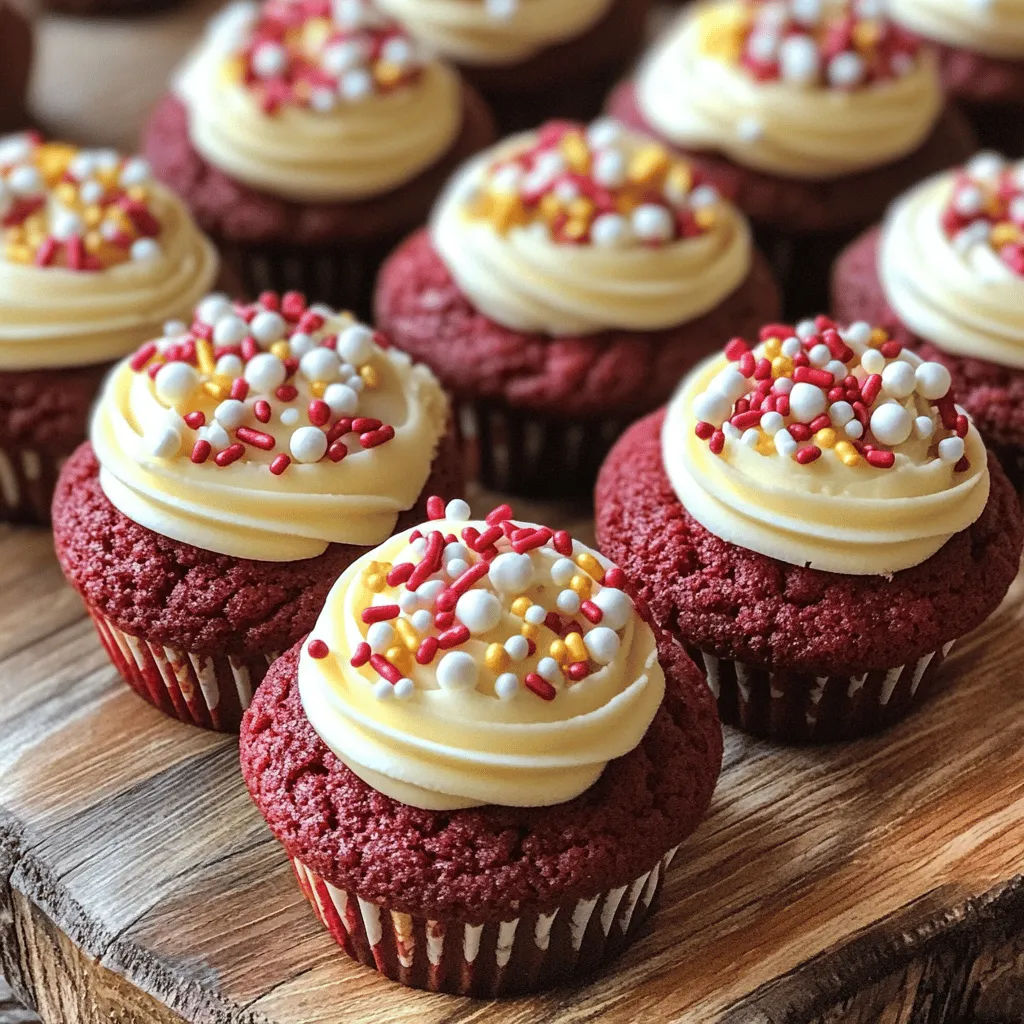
[[164, 442], [933, 381], [214, 308], [610, 231], [806, 401], [355, 344], [457, 670], [603, 644], [215, 434], [457, 510], [506, 686], [319, 364], [549, 669], [898, 379], [772, 423], [404, 688], [341, 399], [268, 327], [873, 361], [568, 602], [265, 372], [308, 444], [455, 567], [712, 407], [785, 445], [951, 449], [175, 329], [383, 690], [840, 413], [535, 615], [455, 551], [610, 168], [231, 413], [845, 70], [230, 330], [891, 423], [511, 573], [617, 607], [806, 329], [924, 427], [421, 619], [355, 85], [145, 249], [175, 383], [819, 355], [858, 333], [562, 571], [791, 347], [269, 60], [854, 430], [784, 385], [229, 366], [290, 416], [517, 647], [419, 546], [652, 223], [478, 610], [799, 60], [301, 343], [380, 636]]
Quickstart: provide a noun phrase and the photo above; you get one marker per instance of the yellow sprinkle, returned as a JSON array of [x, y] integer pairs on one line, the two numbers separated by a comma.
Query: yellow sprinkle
[[1005, 233], [140, 193], [281, 349], [530, 631], [825, 438], [581, 209], [506, 212], [519, 606], [66, 193], [408, 635], [878, 337], [575, 228], [576, 152], [706, 217], [766, 445], [370, 376], [377, 582], [93, 242], [387, 74], [588, 563], [772, 348], [559, 651], [93, 216], [626, 202], [399, 657], [648, 164], [866, 35], [317, 388], [204, 356], [550, 207], [848, 455], [19, 254], [215, 390], [679, 180], [496, 657], [782, 366], [582, 585], [577, 648]]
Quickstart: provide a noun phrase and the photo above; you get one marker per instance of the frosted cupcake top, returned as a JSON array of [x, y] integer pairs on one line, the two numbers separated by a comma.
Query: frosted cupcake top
[[827, 447], [480, 662], [808, 89], [94, 255], [317, 101], [571, 229], [268, 430], [495, 32], [951, 260], [992, 27]]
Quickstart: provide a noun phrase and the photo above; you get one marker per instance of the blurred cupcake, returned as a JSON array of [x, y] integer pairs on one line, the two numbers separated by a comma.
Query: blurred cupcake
[[945, 273], [94, 259], [483, 760], [816, 520], [568, 280], [15, 66], [236, 467], [812, 116], [307, 138], [981, 58], [532, 59]]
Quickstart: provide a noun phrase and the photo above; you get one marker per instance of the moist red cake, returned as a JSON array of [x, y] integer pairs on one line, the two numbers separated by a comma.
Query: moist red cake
[[15, 66], [992, 394]]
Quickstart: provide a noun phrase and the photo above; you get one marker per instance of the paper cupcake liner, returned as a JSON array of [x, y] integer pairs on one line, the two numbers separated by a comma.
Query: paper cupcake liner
[[520, 452], [208, 690], [797, 708], [520, 954], [27, 481]]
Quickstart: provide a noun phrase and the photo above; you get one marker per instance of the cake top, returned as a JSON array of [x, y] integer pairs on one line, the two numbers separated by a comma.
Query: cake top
[[489, 661], [827, 446], [993, 28], [275, 398]]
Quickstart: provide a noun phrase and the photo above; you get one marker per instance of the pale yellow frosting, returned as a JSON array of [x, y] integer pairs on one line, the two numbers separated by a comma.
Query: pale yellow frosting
[[698, 100], [354, 150], [963, 298], [993, 27], [828, 515], [144, 446], [487, 32], [450, 736], [525, 280]]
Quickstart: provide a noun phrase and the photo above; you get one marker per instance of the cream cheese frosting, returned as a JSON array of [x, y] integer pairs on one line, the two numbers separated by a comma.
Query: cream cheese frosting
[[764, 85], [570, 230], [480, 662], [992, 27], [315, 106], [268, 431], [94, 255], [951, 260], [833, 449], [495, 32]]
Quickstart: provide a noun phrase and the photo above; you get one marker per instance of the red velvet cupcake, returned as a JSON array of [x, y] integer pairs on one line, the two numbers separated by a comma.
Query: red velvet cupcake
[[484, 759], [235, 468], [981, 57], [308, 139], [532, 59], [945, 273], [811, 117], [568, 280], [817, 522], [16, 46], [95, 258]]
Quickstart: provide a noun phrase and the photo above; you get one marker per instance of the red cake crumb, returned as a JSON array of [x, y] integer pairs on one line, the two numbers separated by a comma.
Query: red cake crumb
[[485, 863]]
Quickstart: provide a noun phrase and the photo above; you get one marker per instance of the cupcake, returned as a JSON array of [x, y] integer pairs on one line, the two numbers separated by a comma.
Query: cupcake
[[483, 759], [813, 116], [568, 279], [945, 274], [307, 139], [94, 259], [532, 59], [15, 66], [817, 521], [981, 58], [235, 468]]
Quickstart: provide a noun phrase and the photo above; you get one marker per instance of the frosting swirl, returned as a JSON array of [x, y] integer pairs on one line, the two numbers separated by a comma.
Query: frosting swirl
[[951, 260], [268, 431], [470, 663], [575, 231], [315, 102], [838, 450], [94, 256], [993, 27], [498, 32], [803, 96]]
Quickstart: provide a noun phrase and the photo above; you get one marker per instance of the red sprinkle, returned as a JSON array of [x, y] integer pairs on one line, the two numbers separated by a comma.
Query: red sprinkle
[[962, 466], [448, 597], [614, 577], [880, 459], [280, 464], [563, 542], [540, 686], [444, 620], [195, 419], [261, 410], [318, 649], [870, 388], [736, 349], [430, 562], [805, 456], [486, 539], [535, 539], [498, 515], [361, 424], [232, 453], [435, 507], [269, 300], [286, 393], [747, 364], [400, 573], [591, 612], [339, 429], [361, 655], [239, 389], [319, 412], [375, 438], [380, 613], [143, 356], [704, 430], [775, 331], [799, 431], [453, 637], [427, 650], [578, 670], [717, 442], [257, 438], [962, 425], [891, 349], [743, 420], [201, 452], [293, 305], [812, 375], [821, 422], [384, 668]]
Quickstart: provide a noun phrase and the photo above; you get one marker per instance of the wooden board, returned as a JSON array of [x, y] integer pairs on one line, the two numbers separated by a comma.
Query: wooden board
[[874, 881]]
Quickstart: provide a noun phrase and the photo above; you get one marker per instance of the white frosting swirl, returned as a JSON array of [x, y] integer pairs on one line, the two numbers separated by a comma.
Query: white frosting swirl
[[993, 27], [698, 100]]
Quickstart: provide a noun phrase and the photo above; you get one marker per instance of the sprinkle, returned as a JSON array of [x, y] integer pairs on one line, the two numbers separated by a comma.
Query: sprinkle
[[578, 670], [453, 637], [591, 612], [280, 464], [257, 438], [318, 649], [880, 459], [400, 574], [195, 419], [201, 452], [384, 668], [576, 647], [380, 613], [361, 655], [435, 507], [143, 356], [427, 651], [319, 412], [430, 563], [499, 514], [230, 454], [540, 686]]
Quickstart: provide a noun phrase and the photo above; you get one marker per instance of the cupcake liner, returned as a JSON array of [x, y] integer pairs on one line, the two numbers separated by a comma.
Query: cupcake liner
[[798, 708], [208, 690], [27, 481], [526, 953], [520, 452]]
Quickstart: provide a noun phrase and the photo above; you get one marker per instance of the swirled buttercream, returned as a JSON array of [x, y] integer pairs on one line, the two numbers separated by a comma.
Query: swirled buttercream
[[775, 95], [268, 431], [833, 449], [574, 231], [951, 260], [994, 27], [94, 256], [504, 667], [317, 107], [488, 32]]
